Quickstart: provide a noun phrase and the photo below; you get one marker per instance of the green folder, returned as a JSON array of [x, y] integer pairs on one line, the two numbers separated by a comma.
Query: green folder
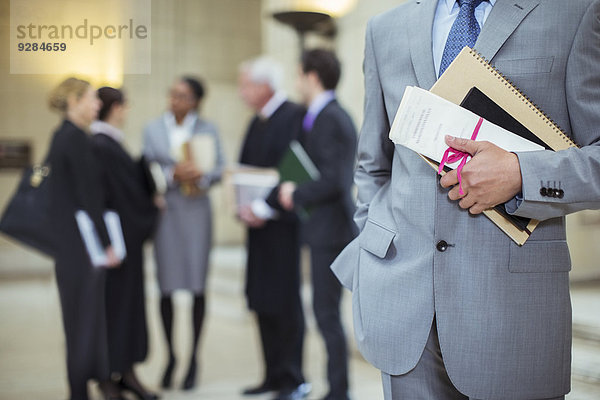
[[296, 165]]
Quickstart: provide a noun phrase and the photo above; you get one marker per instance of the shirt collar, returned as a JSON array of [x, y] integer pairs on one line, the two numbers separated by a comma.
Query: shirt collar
[[450, 4], [273, 104], [101, 127], [188, 122], [319, 102]]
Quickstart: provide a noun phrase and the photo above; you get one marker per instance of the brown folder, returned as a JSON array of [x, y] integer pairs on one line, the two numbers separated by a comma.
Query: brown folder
[[470, 70], [189, 189]]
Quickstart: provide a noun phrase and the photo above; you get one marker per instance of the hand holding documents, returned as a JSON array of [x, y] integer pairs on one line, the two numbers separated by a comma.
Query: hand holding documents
[[92, 243], [471, 82], [296, 166], [424, 119], [199, 151], [244, 184]]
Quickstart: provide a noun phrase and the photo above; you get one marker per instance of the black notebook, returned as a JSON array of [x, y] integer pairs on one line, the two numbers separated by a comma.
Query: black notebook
[[477, 102]]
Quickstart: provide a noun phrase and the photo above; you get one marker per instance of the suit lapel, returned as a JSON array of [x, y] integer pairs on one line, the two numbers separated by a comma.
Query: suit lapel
[[198, 125], [504, 18], [164, 142], [420, 26], [308, 138]]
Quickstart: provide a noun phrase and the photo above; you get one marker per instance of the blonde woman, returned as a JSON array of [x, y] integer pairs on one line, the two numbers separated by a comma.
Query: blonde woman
[[75, 186]]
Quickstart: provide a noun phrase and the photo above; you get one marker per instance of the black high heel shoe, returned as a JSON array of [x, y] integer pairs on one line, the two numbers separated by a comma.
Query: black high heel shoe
[[137, 390], [168, 375], [190, 379], [110, 391]]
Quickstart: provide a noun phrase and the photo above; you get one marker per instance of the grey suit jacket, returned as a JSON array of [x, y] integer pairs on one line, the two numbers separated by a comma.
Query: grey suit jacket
[[184, 234], [503, 312]]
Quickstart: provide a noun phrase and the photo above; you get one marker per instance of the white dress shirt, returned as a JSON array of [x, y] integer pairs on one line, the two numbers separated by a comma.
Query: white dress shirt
[[179, 133], [445, 15]]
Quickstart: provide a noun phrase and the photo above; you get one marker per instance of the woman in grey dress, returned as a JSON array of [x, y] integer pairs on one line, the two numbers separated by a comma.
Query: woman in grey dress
[[189, 151]]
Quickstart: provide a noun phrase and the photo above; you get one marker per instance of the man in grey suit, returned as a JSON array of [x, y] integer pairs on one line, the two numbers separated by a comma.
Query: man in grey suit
[[445, 304]]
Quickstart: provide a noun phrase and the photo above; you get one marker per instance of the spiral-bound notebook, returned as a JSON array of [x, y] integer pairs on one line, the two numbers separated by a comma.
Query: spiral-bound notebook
[[476, 85]]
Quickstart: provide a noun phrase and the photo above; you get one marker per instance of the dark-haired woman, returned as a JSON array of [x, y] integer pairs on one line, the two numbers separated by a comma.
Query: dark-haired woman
[[127, 192], [75, 185], [184, 234]]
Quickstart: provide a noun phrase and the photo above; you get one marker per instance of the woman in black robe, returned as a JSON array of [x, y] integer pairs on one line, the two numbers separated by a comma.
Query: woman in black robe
[[126, 191], [74, 185]]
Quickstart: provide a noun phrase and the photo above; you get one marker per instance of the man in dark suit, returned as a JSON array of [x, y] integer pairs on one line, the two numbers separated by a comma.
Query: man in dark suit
[[273, 273], [329, 138]]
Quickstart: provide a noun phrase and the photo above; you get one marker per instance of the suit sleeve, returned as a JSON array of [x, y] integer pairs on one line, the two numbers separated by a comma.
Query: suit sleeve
[[332, 139], [577, 171], [149, 151], [88, 186], [375, 150]]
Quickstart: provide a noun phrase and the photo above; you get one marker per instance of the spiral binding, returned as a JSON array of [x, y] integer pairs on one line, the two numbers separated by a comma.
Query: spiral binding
[[524, 98]]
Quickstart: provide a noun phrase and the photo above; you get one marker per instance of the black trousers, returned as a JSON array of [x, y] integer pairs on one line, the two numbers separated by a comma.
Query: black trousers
[[327, 294], [282, 337]]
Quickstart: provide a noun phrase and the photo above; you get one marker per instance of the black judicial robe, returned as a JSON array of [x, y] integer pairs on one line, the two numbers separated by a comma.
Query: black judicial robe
[[272, 275], [126, 192], [75, 185]]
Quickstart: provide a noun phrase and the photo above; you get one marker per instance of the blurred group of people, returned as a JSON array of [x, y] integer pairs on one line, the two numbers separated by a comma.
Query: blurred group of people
[[103, 309]]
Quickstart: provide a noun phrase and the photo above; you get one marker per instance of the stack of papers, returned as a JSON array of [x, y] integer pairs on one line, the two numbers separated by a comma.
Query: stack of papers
[[424, 119], [244, 184]]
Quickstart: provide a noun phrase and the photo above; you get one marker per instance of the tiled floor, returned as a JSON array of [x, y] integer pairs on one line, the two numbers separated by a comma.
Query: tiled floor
[[31, 340]]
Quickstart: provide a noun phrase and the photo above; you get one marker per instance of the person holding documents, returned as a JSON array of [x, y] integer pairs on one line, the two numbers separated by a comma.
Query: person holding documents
[[273, 271], [74, 186], [445, 303], [189, 150], [329, 138], [127, 193]]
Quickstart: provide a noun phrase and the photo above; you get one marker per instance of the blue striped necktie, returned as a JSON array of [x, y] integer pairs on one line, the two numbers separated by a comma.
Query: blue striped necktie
[[464, 32]]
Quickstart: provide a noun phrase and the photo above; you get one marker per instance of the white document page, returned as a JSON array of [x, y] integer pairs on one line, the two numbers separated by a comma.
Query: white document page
[[423, 119], [202, 148], [92, 241], [253, 186]]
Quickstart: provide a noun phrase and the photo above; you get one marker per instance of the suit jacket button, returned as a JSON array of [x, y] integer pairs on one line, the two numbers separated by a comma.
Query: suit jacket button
[[441, 246], [543, 191], [561, 193]]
